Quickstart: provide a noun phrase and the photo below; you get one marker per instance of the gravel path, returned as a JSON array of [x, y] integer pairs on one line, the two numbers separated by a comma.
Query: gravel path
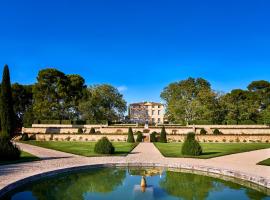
[[242, 165]]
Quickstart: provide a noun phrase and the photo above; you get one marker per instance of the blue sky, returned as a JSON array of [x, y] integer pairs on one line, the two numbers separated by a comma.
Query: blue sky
[[138, 45]]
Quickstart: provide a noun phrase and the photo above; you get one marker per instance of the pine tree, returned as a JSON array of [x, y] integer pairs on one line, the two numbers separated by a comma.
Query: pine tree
[[163, 135], [7, 112], [130, 136]]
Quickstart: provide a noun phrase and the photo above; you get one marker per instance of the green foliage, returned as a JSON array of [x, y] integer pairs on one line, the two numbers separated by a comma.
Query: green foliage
[[104, 146], [102, 102], [190, 100], [22, 97], [163, 135], [191, 146], [8, 151], [203, 131], [92, 130], [217, 132], [153, 137], [80, 131], [56, 95], [139, 137], [7, 113], [24, 137], [130, 138]]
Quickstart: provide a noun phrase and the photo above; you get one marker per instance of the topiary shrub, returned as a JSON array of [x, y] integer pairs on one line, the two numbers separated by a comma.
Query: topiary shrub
[[104, 146], [203, 131], [92, 131], [8, 151], [163, 135], [191, 146], [130, 136], [80, 131], [24, 137], [153, 137], [217, 132], [33, 137], [139, 137]]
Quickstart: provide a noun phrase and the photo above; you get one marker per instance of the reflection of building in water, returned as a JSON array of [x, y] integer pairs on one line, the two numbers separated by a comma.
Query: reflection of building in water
[[148, 193], [146, 112]]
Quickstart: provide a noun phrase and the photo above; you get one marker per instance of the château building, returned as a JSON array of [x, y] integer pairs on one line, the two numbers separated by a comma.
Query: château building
[[146, 112]]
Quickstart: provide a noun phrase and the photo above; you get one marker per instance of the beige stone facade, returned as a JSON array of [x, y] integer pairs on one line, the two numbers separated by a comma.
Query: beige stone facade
[[144, 112]]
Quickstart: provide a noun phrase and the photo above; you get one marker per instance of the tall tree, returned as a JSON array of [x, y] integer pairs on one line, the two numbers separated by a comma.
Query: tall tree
[[190, 100], [75, 92], [7, 113], [50, 95], [102, 103], [22, 96], [240, 106]]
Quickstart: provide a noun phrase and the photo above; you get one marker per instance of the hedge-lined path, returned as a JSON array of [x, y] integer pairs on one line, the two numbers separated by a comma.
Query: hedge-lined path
[[242, 165]]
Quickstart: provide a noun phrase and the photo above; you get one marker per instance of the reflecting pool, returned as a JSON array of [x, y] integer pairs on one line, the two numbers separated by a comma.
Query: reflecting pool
[[133, 183]]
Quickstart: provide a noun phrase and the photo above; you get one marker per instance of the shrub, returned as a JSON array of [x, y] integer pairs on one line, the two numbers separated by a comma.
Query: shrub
[[98, 132], [92, 131], [24, 137], [153, 137], [33, 137], [224, 140], [203, 131], [237, 140], [139, 137], [217, 132], [8, 151], [130, 136], [80, 131], [191, 146], [104, 146], [163, 135]]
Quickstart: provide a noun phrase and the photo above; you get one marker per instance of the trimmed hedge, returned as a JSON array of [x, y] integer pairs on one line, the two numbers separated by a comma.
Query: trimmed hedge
[[104, 146], [203, 131], [92, 131], [217, 132], [191, 146], [8, 151], [139, 137], [153, 137], [80, 131], [163, 135], [24, 137], [130, 138]]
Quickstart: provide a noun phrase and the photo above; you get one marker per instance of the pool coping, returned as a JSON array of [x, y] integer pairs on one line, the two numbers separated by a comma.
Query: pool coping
[[255, 182]]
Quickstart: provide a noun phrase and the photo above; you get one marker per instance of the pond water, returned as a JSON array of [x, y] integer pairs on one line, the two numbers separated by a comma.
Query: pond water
[[123, 183]]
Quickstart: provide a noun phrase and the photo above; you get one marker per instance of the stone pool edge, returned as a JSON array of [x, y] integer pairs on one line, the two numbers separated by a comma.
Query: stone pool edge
[[262, 184]]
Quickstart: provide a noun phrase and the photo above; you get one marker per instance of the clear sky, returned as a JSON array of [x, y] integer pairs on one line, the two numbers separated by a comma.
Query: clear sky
[[138, 46]]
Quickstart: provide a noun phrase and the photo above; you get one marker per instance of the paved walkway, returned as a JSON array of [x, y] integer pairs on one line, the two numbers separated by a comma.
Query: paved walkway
[[242, 165]]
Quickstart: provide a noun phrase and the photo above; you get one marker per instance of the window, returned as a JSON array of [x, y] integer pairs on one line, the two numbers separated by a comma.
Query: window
[[158, 120], [159, 106], [153, 112], [158, 112], [153, 106], [153, 120]]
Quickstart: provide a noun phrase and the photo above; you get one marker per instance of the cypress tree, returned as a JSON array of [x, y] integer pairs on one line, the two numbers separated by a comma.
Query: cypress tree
[[130, 136], [163, 135], [7, 112]]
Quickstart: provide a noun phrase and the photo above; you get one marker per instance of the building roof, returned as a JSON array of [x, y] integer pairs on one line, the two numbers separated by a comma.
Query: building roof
[[146, 103]]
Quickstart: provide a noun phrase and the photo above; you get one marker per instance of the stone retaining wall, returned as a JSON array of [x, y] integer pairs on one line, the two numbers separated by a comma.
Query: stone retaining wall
[[64, 129], [171, 138]]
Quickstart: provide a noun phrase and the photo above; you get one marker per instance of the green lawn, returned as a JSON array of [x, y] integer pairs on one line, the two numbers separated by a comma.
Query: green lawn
[[265, 162], [25, 157], [210, 150], [82, 148]]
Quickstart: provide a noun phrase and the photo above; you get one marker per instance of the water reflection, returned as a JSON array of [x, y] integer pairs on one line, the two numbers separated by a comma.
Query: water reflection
[[118, 184], [191, 186]]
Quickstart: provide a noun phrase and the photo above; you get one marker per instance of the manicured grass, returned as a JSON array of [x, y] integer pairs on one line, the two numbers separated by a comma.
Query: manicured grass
[[82, 148], [25, 157], [265, 162], [210, 150]]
